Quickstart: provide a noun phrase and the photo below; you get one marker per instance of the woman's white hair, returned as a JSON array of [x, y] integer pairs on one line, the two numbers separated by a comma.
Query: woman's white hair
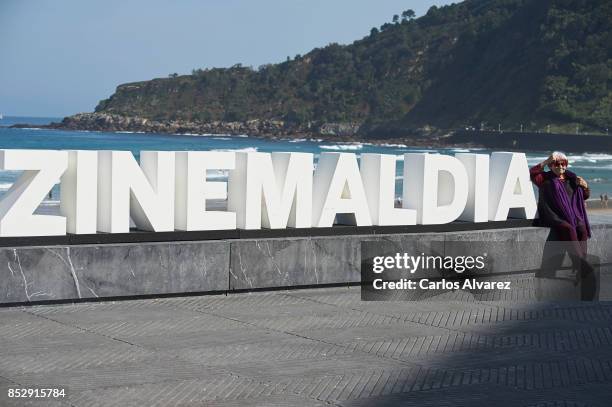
[[559, 156]]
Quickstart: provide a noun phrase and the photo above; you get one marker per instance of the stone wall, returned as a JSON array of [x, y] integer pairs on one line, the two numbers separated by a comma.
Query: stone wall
[[70, 272]]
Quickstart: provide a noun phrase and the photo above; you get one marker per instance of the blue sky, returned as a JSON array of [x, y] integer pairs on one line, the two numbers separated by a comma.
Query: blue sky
[[61, 57]]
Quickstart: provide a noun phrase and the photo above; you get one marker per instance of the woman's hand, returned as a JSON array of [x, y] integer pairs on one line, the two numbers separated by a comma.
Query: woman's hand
[[548, 161], [581, 182]]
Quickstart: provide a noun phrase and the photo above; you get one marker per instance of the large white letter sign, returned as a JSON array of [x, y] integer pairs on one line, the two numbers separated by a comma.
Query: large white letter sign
[[145, 192], [477, 167], [511, 193], [79, 192], [102, 190], [274, 191], [41, 170], [378, 175], [338, 189], [436, 185], [193, 190]]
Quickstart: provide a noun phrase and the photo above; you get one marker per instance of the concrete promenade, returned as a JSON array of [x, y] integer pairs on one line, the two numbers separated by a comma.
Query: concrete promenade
[[313, 347]]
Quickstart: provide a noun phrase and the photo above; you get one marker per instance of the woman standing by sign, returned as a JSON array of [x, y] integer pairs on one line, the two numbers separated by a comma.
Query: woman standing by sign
[[561, 207], [561, 201]]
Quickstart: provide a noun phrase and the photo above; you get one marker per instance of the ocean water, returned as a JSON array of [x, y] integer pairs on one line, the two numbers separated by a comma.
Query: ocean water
[[596, 168]]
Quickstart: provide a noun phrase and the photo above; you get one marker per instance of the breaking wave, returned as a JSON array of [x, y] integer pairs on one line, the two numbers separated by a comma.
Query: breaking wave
[[238, 150], [342, 147], [592, 158]]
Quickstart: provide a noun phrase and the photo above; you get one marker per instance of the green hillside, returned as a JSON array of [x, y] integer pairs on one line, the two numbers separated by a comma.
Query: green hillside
[[479, 62]]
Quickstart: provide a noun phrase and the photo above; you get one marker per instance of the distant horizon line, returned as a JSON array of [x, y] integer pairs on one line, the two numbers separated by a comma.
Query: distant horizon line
[[4, 115]]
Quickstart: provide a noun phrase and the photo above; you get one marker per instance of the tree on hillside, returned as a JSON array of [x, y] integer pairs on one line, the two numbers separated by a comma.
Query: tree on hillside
[[408, 15], [385, 26]]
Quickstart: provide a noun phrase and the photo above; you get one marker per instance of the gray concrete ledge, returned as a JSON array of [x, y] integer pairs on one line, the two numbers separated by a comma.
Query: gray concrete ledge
[[72, 272]]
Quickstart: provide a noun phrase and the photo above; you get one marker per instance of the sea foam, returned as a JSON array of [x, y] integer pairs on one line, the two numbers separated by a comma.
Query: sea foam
[[342, 147]]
